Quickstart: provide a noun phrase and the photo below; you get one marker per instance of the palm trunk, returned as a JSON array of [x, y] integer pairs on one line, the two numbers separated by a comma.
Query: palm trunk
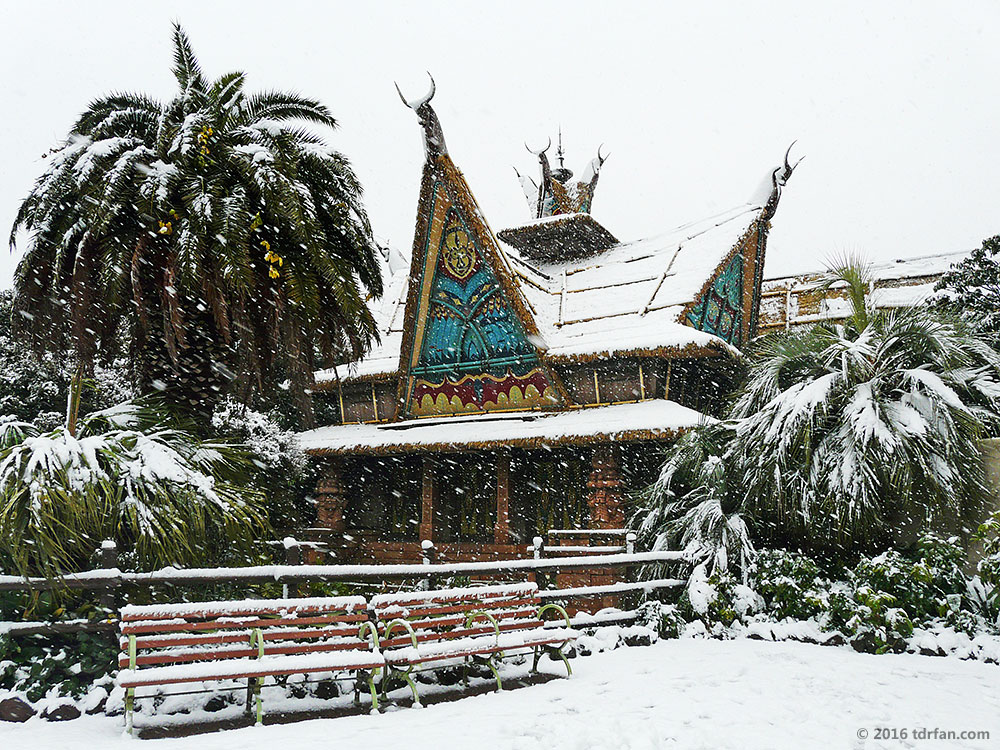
[[73, 400]]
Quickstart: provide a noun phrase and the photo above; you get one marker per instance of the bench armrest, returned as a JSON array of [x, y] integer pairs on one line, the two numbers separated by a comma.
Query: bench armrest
[[473, 616], [558, 609], [405, 625], [369, 627]]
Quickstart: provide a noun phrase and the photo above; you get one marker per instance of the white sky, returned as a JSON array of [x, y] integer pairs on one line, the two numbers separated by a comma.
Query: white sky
[[894, 104]]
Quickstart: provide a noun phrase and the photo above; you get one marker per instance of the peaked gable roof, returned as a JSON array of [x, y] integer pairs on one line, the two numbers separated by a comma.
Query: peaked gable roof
[[469, 342], [689, 292]]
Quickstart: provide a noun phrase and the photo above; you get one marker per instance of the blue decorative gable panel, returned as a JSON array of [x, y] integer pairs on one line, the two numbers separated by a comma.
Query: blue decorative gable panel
[[720, 310]]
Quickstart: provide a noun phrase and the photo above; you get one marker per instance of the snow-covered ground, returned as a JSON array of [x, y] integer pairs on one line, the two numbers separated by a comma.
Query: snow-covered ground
[[676, 694]]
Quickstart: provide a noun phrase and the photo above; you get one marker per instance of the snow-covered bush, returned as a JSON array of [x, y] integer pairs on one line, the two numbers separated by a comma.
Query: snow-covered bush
[[843, 434], [890, 602], [166, 497], [695, 505], [284, 474], [790, 585], [972, 288], [33, 387], [717, 599], [66, 664]]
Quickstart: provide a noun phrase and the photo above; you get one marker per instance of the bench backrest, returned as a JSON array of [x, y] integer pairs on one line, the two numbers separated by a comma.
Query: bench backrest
[[210, 631], [446, 614]]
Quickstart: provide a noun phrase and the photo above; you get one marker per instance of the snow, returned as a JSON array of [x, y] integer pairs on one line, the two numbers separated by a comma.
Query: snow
[[219, 608], [653, 418], [685, 693], [442, 595], [629, 299], [235, 668]]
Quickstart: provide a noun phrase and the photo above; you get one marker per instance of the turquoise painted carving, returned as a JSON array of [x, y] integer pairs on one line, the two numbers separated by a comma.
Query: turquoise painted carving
[[720, 310]]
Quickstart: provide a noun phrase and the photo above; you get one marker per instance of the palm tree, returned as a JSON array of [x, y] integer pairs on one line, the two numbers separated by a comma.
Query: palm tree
[[217, 231], [166, 497], [844, 431]]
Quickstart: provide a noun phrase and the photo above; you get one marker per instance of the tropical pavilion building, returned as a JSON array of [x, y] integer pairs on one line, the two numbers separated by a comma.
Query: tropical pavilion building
[[528, 380]]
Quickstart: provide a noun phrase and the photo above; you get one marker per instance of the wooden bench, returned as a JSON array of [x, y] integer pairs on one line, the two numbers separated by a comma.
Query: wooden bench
[[250, 639], [434, 629]]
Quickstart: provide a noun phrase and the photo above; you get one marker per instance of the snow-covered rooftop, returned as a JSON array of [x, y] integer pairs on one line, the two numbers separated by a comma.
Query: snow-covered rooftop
[[796, 299], [628, 300], [646, 420]]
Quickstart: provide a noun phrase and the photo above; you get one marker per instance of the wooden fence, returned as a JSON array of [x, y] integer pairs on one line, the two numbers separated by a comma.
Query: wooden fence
[[109, 579]]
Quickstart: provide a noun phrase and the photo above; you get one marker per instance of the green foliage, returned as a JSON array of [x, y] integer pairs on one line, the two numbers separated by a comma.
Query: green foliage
[[284, 475], [695, 504], [790, 585], [972, 288], [717, 599], [33, 388], [165, 497], [34, 665], [842, 433], [212, 234]]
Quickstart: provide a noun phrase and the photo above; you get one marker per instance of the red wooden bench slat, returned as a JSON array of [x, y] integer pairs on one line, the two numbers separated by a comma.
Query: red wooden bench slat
[[263, 672], [248, 610], [166, 657], [459, 619], [468, 606], [152, 641], [486, 649], [429, 637], [471, 594], [180, 627]]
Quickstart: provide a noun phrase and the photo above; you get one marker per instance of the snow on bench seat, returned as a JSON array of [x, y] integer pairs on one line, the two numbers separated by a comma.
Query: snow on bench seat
[[244, 668], [486, 644]]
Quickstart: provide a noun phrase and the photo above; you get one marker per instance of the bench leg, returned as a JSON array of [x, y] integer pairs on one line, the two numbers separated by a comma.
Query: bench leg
[[260, 703], [496, 674], [374, 692], [535, 660], [129, 708], [413, 687], [559, 652]]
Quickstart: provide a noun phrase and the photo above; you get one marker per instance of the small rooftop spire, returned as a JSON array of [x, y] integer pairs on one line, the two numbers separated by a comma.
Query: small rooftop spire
[[555, 194], [562, 174]]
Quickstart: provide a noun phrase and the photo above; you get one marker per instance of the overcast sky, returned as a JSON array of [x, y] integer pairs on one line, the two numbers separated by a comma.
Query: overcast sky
[[895, 105]]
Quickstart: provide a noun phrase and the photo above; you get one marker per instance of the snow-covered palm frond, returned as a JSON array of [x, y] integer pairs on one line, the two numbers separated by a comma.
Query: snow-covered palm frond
[[160, 492], [254, 222], [841, 432]]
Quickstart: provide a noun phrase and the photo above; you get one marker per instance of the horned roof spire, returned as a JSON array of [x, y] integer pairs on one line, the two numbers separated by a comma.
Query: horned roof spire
[[434, 144], [556, 193]]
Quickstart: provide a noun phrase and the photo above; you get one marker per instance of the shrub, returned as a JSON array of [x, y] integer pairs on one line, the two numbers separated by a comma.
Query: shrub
[[789, 584], [165, 497]]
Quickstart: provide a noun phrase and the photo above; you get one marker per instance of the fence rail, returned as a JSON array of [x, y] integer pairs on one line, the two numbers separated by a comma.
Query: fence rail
[[114, 578], [109, 580]]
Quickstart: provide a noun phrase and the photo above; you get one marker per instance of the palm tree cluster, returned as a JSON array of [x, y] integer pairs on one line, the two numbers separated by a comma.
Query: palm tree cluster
[[215, 233], [843, 434], [166, 497]]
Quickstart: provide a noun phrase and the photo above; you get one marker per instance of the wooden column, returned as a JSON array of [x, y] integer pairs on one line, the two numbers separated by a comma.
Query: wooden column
[[605, 485], [331, 496], [501, 532], [427, 495]]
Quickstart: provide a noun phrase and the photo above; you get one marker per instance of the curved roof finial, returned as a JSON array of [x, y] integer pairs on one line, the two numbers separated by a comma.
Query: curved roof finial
[[434, 144], [779, 178]]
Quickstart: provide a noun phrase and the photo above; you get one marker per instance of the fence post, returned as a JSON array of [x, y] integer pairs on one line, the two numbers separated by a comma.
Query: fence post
[[630, 543], [109, 561], [537, 548], [428, 556], [293, 556]]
